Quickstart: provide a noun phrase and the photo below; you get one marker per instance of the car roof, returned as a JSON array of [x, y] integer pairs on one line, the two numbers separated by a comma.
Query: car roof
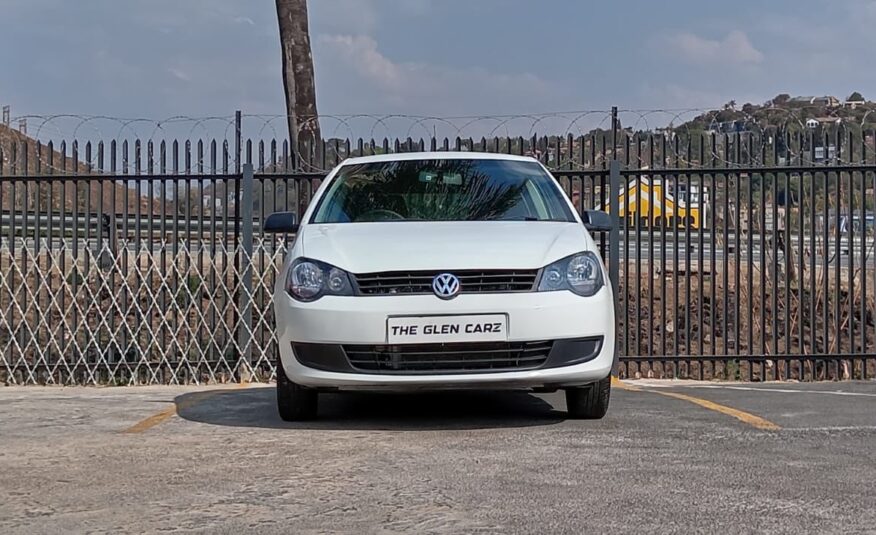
[[436, 155]]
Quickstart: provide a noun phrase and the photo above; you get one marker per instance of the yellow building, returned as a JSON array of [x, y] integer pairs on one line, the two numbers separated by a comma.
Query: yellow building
[[655, 205]]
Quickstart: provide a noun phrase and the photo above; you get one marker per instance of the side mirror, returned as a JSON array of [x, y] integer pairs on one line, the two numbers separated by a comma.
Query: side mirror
[[597, 221], [281, 223]]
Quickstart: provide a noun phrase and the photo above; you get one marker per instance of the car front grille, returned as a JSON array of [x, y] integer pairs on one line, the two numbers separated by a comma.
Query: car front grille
[[449, 358], [471, 281]]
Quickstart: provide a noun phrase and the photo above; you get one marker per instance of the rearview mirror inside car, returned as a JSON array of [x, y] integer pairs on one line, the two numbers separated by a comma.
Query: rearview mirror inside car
[[597, 221], [281, 223]]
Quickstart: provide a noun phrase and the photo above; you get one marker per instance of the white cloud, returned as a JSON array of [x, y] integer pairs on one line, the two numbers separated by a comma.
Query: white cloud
[[426, 87], [360, 53], [361, 17], [244, 20], [735, 48], [862, 7], [343, 16], [180, 74]]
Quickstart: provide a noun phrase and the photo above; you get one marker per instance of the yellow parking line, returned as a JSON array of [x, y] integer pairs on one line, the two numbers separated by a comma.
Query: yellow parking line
[[159, 417], [745, 417], [748, 418], [617, 383], [151, 421]]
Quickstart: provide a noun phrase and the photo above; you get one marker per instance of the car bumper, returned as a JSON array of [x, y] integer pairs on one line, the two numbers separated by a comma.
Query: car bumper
[[559, 317]]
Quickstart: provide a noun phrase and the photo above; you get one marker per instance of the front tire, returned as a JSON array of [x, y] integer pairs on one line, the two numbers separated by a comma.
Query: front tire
[[294, 402], [589, 402]]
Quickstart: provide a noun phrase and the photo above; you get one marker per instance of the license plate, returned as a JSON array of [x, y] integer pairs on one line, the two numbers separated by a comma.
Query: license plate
[[437, 329]]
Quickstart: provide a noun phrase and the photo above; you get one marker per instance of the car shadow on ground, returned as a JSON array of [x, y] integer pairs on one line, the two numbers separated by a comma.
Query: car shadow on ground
[[257, 407]]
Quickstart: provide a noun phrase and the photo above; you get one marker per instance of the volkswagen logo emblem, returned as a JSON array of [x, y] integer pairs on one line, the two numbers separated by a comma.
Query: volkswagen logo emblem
[[446, 286]]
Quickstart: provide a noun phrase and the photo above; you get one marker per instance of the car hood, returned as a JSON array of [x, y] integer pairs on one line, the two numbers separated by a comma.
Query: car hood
[[393, 246]]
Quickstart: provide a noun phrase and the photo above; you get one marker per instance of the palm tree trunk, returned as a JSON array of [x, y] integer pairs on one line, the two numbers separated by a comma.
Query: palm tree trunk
[[298, 78]]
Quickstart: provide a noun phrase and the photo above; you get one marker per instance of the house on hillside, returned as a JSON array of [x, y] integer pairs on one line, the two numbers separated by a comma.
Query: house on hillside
[[828, 102], [813, 123], [825, 101], [854, 100], [727, 127], [820, 153]]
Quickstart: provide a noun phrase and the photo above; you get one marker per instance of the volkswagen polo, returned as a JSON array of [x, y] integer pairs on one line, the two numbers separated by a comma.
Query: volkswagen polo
[[442, 270]]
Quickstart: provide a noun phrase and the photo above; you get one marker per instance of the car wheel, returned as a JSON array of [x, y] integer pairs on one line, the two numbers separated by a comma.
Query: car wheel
[[589, 402], [294, 402]]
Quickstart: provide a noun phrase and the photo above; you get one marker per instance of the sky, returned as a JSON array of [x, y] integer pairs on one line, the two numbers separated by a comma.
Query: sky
[[439, 58]]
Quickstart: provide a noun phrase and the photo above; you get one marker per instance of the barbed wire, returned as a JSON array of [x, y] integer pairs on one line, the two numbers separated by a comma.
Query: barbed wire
[[571, 140]]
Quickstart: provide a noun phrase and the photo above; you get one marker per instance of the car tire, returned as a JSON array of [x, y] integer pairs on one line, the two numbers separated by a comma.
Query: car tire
[[294, 402], [589, 402]]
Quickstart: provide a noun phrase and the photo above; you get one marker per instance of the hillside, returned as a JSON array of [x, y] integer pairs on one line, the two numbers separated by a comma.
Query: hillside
[[20, 155], [789, 114]]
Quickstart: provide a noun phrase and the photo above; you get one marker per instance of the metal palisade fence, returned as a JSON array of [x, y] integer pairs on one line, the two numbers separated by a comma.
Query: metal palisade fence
[[746, 254]]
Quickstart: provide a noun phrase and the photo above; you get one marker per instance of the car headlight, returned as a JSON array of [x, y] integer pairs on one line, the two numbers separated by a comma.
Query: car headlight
[[580, 273], [308, 280]]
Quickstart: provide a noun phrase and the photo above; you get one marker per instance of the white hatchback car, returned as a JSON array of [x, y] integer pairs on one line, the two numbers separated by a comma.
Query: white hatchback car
[[443, 270]]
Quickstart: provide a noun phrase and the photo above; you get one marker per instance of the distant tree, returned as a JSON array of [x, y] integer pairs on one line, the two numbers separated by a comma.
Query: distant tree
[[855, 97], [730, 105], [748, 108], [781, 99]]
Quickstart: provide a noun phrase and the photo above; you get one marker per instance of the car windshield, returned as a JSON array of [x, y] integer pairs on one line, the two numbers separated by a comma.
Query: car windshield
[[442, 190]]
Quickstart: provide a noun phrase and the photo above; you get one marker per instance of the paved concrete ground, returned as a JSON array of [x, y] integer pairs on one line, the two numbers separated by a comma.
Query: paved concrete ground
[[670, 457]]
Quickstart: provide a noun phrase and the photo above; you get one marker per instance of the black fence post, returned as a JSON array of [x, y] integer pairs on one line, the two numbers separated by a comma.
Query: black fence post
[[614, 235], [245, 297], [107, 245], [238, 145]]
